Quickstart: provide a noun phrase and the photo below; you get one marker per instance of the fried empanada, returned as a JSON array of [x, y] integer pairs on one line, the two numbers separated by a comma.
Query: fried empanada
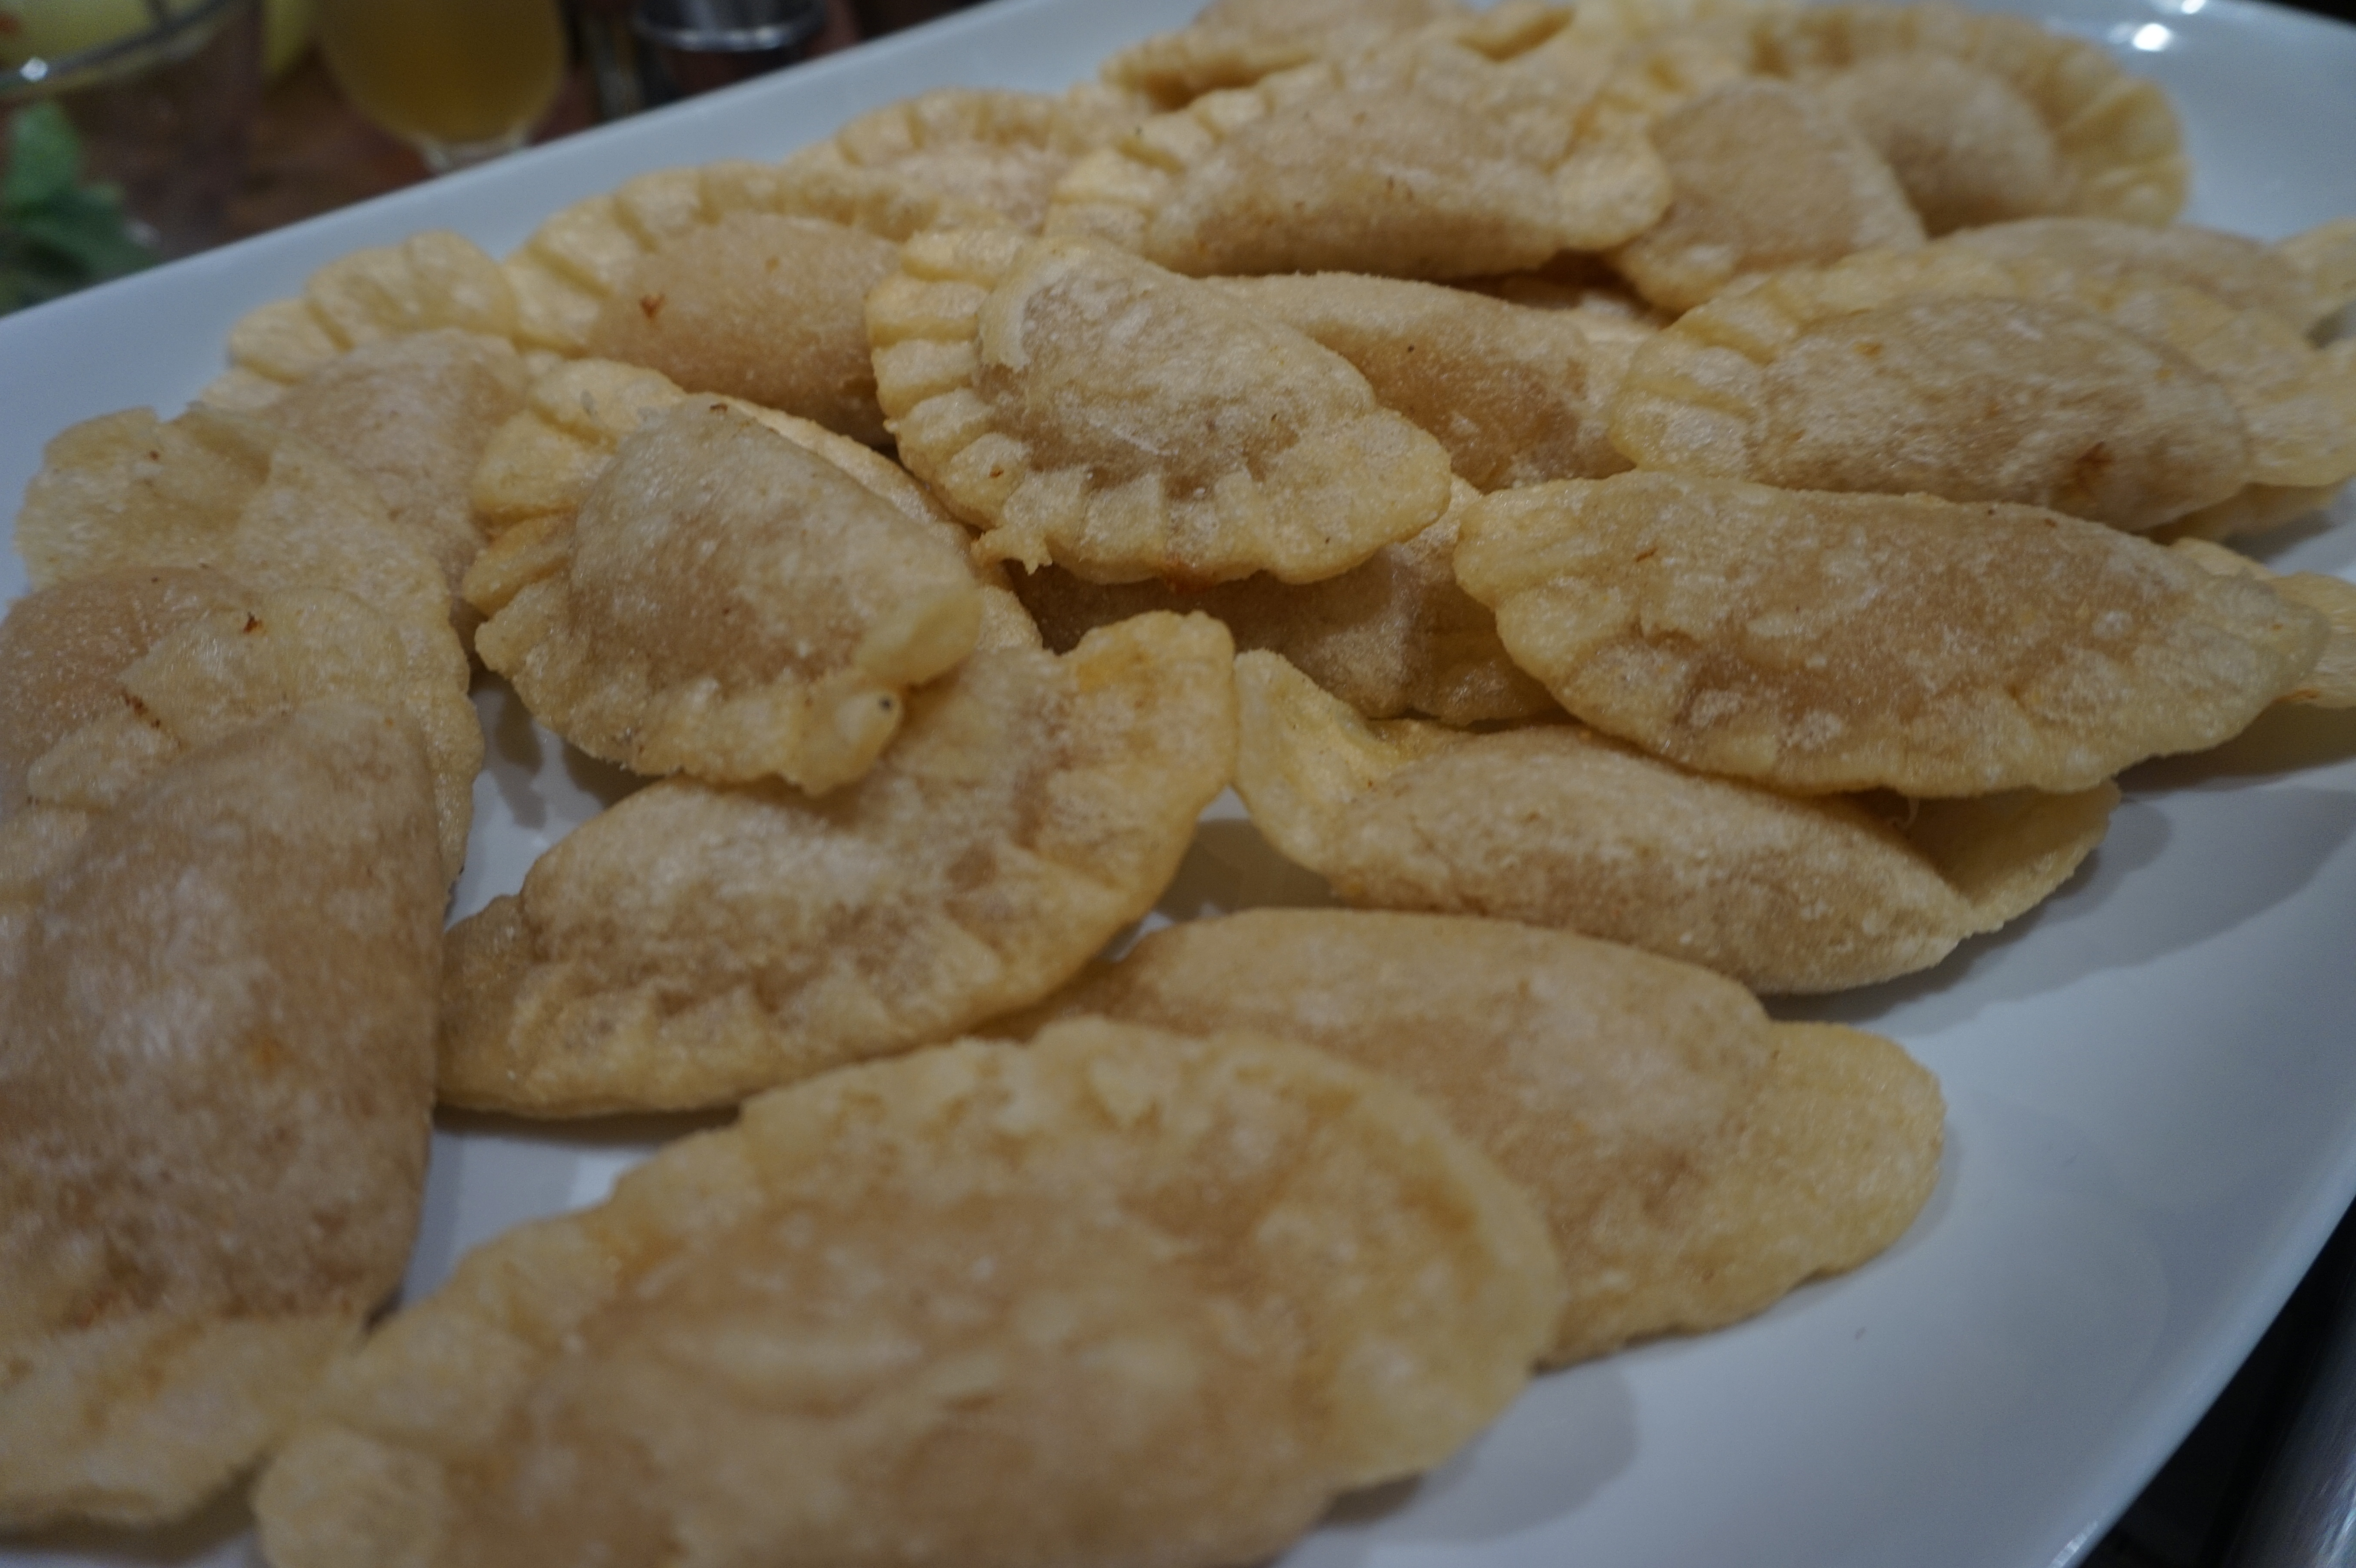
[[2333, 682], [1235, 43], [1393, 635], [1988, 117], [1117, 1296], [63, 649], [1767, 176], [730, 604], [1038, 385], [2299, 282], [252, 658], [1515, 394], [216, 1066], [1002, 150], [412, 415], [737, 278], [428, 281], [1818, 642], [1694, 1161], [1425, 160], [694, 944], [229, 493], [1554, 826], [1960, 396]]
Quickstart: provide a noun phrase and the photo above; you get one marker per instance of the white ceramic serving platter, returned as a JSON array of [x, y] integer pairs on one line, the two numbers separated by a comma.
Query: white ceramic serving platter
[[2151, 1081]]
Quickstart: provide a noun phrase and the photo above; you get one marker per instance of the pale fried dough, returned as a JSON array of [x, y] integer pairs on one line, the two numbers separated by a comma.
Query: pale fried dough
[[1693, 1160], [255, 658], [272, 511], [216, 1062], [1514, 393], [1554, 826], [1820, 642], [1000, 149], [428, 281], [1424, 160], [1234, 43], [694, 944], [63, 649], [1767, 176], [1391, 635], [1886, 376], [1035, 385], [2333, 682], [1120, 1296], [732, 605], [412, 415], [2299, 282]]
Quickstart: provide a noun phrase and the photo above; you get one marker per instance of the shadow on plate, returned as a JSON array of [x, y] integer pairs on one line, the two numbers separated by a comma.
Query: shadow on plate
[[2283, 739], [2232, 867], [214, 1537]]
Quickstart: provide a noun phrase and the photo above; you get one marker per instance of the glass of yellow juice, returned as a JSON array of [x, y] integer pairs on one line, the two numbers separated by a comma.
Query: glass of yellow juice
[[461, 80]]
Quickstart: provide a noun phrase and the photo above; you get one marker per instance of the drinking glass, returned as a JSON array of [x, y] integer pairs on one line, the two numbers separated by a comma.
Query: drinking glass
[[461, 80]]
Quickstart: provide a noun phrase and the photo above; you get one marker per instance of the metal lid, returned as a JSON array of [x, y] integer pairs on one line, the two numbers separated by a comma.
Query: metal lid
[[727, 27]]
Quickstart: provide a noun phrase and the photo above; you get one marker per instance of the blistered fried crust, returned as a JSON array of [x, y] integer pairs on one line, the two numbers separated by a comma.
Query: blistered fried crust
[[412, 415], [63, 649], [694, 944], [428, 281], [1554, 826], [1235, 43], [254, 658], [1818, 641], [1515, 394], [216, 1065], [731, 605], [1693, 1160], [1767, 176], [1002, 150], [1393, 635], [1985, 117], [1425, 160], [229, 492], [2333, 682], [1036, 387], [1120, 1296], [1937, 377]]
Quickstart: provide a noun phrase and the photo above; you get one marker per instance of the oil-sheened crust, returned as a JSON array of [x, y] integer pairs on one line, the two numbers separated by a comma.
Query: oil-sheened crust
[[1767, 176], [430, 281], [1693, 1160], [1516, 393], [1117, 1297], [1391, 636], [2333, 682], [733, 606], [216, 1065], [1000, 149], [1936, 373], [1423, 159], [1554, 826], [227, 492], [1819, 642], [695, 944], [1035, 386]]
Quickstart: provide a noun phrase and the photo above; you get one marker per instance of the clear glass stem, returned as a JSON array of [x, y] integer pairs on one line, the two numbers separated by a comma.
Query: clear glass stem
[[443, 157]]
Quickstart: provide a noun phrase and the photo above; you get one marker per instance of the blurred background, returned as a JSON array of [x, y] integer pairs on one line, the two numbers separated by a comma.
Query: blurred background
[[136, 131]]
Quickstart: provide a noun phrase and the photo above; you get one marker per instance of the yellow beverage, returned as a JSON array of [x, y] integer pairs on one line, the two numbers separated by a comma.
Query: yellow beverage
[[449, 75]]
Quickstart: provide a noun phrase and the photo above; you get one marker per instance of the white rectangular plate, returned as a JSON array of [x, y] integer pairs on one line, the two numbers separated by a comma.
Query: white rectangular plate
[[2151, 1081]]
